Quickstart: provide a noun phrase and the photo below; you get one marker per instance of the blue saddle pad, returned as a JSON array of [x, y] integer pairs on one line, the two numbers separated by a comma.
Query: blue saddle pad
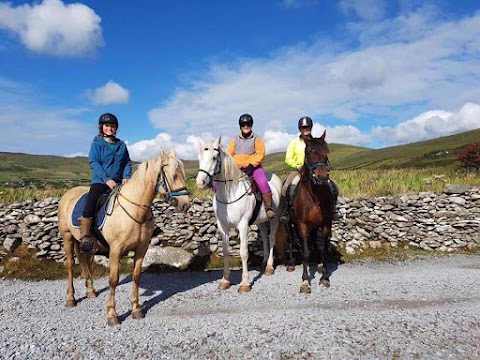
[[78, 212]]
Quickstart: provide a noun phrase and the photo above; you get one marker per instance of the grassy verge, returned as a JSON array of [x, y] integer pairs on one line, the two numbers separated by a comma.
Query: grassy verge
[[22, 264]]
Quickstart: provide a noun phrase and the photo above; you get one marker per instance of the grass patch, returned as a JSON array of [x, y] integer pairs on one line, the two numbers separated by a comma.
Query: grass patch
[[23, 265], [216, 262], [401, 253]]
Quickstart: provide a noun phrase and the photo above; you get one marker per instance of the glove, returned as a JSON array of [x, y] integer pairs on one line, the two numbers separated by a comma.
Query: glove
[[248, 170]]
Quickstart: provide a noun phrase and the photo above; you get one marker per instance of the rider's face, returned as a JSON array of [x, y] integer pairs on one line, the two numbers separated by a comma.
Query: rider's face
[[306, 130], [109, 129]]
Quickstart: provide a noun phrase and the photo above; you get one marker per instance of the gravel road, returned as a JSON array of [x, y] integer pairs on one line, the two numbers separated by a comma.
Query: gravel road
[[422, 308]]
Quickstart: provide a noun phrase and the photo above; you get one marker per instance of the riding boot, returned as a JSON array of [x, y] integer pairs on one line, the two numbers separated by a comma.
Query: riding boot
[[284, 206], [267, 202], [87, 242]]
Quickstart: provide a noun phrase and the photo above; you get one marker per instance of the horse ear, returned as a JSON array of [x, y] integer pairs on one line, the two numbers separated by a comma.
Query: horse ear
[[173, 153], [217, 141], [323, 135]]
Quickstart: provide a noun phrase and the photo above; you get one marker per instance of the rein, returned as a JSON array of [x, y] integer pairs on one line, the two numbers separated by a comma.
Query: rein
[[216, 171]]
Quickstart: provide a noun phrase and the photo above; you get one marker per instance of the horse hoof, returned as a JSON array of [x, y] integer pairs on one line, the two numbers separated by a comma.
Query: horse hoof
[[325, 282], [320, 268], [244, 289], [138, 314], [112, 321], [224, 285], [290, 268], [91, 295], [269, 271], [305, 289], [86, 246], [70, 303]]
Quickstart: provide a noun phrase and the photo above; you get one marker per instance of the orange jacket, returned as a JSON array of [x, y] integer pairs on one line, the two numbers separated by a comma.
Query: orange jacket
[[242, 160]]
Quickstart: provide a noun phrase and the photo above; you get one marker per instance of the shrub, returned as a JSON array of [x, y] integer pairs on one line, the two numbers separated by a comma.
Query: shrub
[[470, 155]]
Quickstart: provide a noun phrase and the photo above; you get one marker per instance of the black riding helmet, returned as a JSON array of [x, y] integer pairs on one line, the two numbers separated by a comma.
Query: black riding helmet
[[245, 119], [305, 121], [107, 118]]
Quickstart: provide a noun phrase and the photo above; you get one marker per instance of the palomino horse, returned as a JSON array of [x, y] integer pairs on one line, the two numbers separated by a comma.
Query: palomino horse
[[312, 207], [234, 204], [128, 227]]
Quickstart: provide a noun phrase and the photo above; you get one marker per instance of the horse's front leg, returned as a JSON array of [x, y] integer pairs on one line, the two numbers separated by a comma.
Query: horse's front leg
[[245, 285], [114, 260], [68, 247], [225, 282], [305, 286], [137, 312], [86, 261], [267, 247]]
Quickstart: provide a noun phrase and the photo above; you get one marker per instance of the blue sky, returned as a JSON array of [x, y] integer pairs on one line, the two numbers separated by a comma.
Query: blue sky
[[371, 72]]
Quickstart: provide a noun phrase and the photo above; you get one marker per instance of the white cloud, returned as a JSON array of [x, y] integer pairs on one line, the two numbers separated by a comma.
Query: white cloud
[[431, 124], [377, 84], [54, 28], [110, 93]]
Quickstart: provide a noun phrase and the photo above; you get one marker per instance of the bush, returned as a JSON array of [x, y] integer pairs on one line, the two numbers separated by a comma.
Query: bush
[[470, 155]]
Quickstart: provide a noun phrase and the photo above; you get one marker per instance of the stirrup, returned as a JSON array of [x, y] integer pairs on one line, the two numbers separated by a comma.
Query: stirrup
[[86, 244]]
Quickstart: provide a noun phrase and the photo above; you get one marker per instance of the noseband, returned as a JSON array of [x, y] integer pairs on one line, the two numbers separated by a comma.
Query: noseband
[[318, 179]]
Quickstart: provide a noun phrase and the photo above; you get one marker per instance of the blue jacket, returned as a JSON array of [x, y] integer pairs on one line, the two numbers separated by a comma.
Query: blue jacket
[[109, 164]]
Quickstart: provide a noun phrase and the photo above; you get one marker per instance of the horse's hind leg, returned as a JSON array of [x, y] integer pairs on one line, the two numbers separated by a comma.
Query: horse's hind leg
[[68, 247], [290, 261], [325, 279], [268, 244]]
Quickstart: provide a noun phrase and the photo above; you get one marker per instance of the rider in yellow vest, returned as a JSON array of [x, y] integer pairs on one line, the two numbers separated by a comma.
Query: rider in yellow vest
[[295, 157]]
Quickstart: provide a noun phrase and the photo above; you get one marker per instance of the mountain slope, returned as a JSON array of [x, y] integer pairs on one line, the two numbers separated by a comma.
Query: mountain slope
[[15, 167]]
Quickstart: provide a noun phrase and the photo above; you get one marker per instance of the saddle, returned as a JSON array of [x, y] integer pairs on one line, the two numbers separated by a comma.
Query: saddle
[[103, 208]]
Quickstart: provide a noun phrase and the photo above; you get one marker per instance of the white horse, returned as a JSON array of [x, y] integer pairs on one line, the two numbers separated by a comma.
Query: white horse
[[234, 204]]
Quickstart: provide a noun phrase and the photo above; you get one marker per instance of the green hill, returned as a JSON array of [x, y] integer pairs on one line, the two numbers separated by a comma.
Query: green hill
[[440, 152]]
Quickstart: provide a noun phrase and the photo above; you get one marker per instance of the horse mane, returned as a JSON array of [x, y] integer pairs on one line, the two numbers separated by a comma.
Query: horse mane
[[144, 169], [230, 168]]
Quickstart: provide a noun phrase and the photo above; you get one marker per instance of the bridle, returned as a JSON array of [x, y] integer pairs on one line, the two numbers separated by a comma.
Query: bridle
[[319, 179], [216, 171], [170, 195]]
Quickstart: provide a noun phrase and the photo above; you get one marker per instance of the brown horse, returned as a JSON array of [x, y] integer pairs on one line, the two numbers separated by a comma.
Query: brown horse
[[312, 207], [128, 226]]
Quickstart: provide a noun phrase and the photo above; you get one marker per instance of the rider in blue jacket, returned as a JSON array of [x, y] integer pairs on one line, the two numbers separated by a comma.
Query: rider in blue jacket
[[111, 166]]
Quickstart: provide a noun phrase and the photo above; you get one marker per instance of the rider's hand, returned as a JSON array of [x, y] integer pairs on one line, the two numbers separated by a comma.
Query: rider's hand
[[111, 184], [124, 181], [249, 170]]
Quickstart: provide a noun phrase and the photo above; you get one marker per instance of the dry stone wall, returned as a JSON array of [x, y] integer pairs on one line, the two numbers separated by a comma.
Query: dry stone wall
[[433, 222]]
